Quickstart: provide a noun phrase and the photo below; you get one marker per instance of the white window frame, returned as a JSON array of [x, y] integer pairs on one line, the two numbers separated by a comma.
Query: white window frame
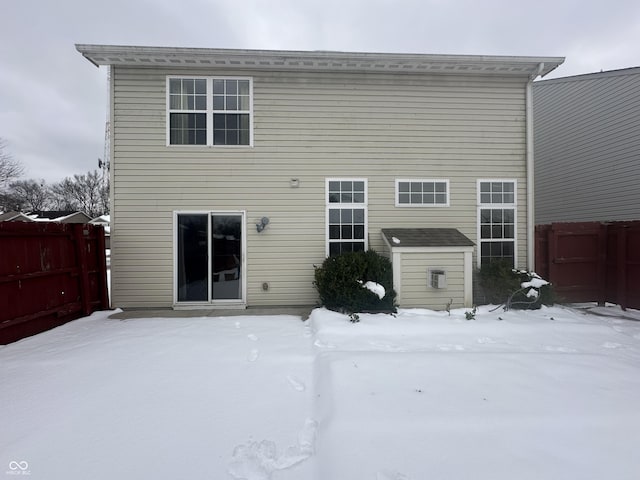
[[339, 205], [422, 180], [230, 303], [513, 206], [209, 111]]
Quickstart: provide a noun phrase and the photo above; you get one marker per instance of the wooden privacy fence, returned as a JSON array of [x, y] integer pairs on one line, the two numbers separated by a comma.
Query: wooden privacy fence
[[50, 273], [591, 261]]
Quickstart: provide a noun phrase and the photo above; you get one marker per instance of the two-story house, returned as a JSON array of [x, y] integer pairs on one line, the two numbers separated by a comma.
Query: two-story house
[[234, 172]]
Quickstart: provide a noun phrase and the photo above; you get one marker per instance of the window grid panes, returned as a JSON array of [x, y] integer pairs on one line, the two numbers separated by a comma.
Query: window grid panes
[[346, 191], [497, 221], [497, 193], [187, 94], [209, 111], [231, 95], [422, 193], [346, 216]]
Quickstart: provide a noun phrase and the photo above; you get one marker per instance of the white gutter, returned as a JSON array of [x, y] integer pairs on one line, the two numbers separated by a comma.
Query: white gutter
[[531, 232]]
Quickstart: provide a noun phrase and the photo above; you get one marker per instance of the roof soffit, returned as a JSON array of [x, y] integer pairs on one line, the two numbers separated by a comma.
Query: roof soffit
[[327, 61]]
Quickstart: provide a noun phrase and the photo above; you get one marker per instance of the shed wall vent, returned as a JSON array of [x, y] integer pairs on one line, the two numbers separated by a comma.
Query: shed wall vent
[[437, 278]]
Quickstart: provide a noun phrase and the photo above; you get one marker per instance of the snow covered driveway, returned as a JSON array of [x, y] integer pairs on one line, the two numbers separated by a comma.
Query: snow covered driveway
[[423, 395]]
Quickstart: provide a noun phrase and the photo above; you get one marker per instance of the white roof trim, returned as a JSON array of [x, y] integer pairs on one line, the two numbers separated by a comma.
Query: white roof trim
[[317, 60]]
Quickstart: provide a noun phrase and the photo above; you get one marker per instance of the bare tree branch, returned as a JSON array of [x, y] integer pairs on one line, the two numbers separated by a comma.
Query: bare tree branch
[[82, 192], [32, 195], [10, 169]]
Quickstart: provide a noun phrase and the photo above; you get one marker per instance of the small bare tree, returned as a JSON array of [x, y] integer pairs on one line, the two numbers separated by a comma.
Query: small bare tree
[[30, 195], [82, 192], [10, 169]]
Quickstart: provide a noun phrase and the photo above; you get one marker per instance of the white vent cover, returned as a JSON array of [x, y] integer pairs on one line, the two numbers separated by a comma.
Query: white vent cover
[[437, 278]]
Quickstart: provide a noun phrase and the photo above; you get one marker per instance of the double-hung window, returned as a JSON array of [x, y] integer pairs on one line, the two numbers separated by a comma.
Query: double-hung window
[[497, 220], [422, 193], [346, 215], [209, 111]]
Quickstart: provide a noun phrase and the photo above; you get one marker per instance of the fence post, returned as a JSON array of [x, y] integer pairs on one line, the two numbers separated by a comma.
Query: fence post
[[621, 266], [552, 253], [548, 235], [83, 267], [102, 267], [601, 268]]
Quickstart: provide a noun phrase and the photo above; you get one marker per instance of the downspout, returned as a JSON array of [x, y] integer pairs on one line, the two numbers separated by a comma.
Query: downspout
[[531, 259]]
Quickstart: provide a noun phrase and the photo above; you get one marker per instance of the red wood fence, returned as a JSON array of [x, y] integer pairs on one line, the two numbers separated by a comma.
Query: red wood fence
[[591, 261], [50, 273]]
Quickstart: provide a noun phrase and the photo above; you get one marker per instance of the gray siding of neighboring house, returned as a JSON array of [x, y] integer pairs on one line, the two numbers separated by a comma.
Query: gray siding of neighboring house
[[308, 126], [587, 147]]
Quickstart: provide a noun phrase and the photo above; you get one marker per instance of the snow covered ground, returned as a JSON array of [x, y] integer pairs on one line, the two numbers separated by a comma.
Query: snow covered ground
[[549, 394]]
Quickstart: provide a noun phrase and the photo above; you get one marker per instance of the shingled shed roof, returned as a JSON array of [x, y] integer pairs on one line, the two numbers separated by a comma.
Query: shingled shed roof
[[425, 237]]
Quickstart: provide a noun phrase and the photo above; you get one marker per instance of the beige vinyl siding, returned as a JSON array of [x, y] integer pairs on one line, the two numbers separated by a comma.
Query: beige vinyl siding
[[413, 286], [308, 126]]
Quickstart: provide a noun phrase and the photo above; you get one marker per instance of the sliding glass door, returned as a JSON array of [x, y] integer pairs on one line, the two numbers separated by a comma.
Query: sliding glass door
[[209, 257], [226, 256]]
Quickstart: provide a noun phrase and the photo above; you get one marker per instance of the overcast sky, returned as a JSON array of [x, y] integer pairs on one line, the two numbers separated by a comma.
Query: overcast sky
[[53, 102]]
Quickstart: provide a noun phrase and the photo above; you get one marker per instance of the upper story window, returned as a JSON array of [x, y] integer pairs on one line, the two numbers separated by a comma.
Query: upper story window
[[210, 111], [422, 193]]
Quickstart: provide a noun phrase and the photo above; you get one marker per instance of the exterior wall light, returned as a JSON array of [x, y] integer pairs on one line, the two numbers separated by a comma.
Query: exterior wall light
[[260, 226]]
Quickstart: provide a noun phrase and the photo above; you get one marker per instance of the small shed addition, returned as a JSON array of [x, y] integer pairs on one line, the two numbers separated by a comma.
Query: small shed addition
[[432, 267]]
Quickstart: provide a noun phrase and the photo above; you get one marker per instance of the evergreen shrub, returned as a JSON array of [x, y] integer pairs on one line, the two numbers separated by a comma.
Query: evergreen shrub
[[501, 284], [340, 279]]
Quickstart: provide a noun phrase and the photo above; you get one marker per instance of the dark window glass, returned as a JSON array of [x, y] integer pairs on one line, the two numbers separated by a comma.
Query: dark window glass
[[508, 231], [218, 102], [188, 129], [232, 87], [508, 215], [227, 129], [192, 257], [219, 137], [232, 137], [226, 257]]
